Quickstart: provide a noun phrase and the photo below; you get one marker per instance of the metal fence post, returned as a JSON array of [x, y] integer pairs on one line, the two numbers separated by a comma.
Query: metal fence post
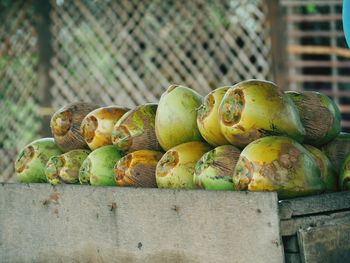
[[44, 45], [278, 43]]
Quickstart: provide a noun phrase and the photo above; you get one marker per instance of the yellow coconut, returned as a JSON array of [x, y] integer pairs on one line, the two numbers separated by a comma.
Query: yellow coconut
[[207, 117], [137, 169], [135, 130], [176, 168], [254, 109], [328, 173], [97, 126], [176, 117], [280, 164]]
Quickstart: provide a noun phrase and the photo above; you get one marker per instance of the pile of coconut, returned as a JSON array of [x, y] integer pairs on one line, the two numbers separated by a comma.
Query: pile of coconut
[[250, 136]]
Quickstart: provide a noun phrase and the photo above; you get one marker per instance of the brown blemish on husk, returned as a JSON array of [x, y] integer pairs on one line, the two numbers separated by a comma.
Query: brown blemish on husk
[[137, 135], [122, 138], [240, 127], [206, 108], [248, 136], [122, 167], [246, 171], [53, 169], [338, 149], [26, 156], [287, 162], [169, 161], [233, 107], [147, 139], [224, 161], [321, 164], [84, 172], [316, 117], [89, 128], [143, 175], [72, 173], [62, 122], [138, 169]]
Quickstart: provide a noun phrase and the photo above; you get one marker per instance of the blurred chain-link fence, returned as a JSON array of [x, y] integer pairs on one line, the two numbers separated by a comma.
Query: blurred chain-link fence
[[118, 52], [19, 119], [128, 52]]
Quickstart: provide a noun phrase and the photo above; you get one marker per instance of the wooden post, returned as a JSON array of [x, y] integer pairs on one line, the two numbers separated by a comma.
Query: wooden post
[[278, 43], [45, 51]]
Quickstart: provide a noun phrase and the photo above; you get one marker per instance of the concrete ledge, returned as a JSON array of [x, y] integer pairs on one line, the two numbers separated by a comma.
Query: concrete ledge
[[73, 223]]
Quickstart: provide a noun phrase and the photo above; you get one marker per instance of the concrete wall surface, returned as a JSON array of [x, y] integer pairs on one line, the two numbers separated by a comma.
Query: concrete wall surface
[[73, 223]]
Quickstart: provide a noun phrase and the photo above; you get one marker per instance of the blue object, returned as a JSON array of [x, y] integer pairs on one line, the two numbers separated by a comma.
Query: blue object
[[346, 20]]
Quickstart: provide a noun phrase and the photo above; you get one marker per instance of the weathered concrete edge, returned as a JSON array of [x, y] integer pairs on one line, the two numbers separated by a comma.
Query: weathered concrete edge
[[178, 197]]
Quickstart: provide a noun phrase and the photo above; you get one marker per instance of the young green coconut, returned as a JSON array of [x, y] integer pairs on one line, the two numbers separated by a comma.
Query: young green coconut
[[135, 130], [207, 117], [215, 169], [31, 161], [175, 169], [97, 126], [328, 174], [319, 115], [137, 169], [344, 178], [253, 109], [65, 125], [98, 167], [280, 164], [64, 168], [337, 149], [176, 117]]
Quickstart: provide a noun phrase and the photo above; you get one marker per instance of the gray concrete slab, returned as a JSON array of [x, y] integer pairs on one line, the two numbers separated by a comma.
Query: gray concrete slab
[[73, 223]]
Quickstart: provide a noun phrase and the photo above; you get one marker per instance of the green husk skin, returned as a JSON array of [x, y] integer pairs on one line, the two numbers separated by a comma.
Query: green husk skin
[[207, 117], [328, 174], [254, 109], [319, 115], [98, 167], [344, 178], [176, 117], [30, 163], [136, 130], [84, 172], [337, 150], [215, 169], [65, 168], [280, 164], [175, 169]]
